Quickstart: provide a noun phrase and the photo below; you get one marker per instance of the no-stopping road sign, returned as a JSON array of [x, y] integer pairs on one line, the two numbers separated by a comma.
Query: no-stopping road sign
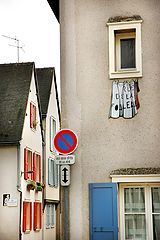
[[65, 141]]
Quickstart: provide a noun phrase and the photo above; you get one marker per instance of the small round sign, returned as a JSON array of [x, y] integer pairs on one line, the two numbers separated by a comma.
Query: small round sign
[[65, 141]]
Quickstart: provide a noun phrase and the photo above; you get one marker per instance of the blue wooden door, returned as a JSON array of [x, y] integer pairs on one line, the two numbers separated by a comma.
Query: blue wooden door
[[103, 211]]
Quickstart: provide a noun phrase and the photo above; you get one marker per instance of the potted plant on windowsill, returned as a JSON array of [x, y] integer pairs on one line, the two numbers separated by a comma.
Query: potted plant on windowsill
[[39, 186], [31, 185]]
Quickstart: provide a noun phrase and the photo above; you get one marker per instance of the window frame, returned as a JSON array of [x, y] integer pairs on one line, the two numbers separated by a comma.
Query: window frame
[[37, 221], [35, 177], [52, 132], [24, 227], [148, 207], [50, 215], [52, 173], [33, 116], [120, 36], [126, 26], [26, 174]]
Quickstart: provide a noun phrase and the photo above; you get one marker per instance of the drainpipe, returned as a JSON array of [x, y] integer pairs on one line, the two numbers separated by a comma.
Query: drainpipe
[[43, 180], [19, 187]]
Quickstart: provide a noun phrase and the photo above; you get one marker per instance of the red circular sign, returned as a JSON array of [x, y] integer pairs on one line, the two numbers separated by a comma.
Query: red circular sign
[[65, 141]]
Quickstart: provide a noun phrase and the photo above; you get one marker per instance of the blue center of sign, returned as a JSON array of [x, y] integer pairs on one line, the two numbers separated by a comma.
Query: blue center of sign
[[65, 141]]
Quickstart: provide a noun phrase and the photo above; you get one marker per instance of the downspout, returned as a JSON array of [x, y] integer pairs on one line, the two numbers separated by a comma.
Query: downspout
[[43, 180], [19, 187]]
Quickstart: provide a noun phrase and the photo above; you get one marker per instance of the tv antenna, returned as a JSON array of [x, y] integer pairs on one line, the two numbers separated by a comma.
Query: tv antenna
[[17, 45]]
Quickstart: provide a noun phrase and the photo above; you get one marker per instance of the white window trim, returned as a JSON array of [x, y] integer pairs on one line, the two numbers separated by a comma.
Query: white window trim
[[148, 212], [136, 178], [113, 74]]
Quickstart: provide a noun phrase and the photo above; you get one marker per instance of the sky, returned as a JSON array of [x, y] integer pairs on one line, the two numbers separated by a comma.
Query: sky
[[33, 23]]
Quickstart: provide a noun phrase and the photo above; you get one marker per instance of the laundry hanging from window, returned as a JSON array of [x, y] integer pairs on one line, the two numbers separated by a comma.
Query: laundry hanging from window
[[124, 100]]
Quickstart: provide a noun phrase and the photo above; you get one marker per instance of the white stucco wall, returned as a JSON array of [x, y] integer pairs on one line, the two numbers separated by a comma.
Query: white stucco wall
[[105, 144], [9, 216], [51, 193], [33, 140]]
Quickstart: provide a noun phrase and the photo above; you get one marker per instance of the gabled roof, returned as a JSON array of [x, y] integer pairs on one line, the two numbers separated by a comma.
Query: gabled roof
[[15, 79], [46, 77]]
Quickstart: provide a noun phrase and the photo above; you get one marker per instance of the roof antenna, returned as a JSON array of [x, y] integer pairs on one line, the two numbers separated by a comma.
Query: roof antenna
[[17, 45]]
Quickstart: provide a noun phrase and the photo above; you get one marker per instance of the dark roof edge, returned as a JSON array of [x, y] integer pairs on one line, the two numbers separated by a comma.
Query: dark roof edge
[[57, 98], [39, 103], [55, 7], [14, 143]]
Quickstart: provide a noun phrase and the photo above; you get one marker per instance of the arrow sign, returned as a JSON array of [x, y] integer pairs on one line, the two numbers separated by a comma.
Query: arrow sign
[[65, 179], [65, 175]]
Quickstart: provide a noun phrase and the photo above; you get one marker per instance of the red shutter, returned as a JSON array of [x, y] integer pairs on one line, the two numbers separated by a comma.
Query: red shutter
[[31, 115], [30, 216], [25, 164], [24, 216], [40, 169], [34, 166], [35, 216], [40, 215]]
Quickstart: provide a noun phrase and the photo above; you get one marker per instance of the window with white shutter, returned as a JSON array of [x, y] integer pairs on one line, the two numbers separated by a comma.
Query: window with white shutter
[[52, 173]]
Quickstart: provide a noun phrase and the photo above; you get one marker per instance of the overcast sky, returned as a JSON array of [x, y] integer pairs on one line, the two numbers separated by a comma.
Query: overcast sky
[[33, 23]]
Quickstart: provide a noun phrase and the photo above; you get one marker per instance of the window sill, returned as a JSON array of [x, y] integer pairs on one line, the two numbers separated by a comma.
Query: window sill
[[125, 74], [37, 230], [27, 231]]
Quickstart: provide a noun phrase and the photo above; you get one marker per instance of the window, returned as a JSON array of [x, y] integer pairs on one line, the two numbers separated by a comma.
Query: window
[[33, 117], [32, 165], [52, 132], [37, 216], [27, 216], [125, 49], [36, 167], [27, 164], [52, 173], [140, 212], [50, 213]]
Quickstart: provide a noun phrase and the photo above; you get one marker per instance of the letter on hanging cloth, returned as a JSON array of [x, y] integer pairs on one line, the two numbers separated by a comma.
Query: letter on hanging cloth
[[124, 100]]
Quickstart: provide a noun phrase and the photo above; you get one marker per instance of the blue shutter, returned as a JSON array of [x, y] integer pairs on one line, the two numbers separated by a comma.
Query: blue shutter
[[103, 211], [50, 171], [47, 216], [52, 215], [55, 172]]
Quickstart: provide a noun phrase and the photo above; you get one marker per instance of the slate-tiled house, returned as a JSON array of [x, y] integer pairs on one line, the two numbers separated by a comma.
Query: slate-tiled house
[[20, 153], [51, 123]]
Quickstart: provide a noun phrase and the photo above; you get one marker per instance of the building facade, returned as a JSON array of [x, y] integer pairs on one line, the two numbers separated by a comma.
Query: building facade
[[110, 80], [29, 189], [51, 125]]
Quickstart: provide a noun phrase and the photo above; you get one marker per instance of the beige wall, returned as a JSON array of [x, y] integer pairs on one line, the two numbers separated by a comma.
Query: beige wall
[[105, 144], [9, 216]]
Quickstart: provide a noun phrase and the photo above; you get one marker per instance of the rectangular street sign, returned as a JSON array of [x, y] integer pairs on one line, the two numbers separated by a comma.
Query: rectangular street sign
[[65, 159], [65, 175]]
